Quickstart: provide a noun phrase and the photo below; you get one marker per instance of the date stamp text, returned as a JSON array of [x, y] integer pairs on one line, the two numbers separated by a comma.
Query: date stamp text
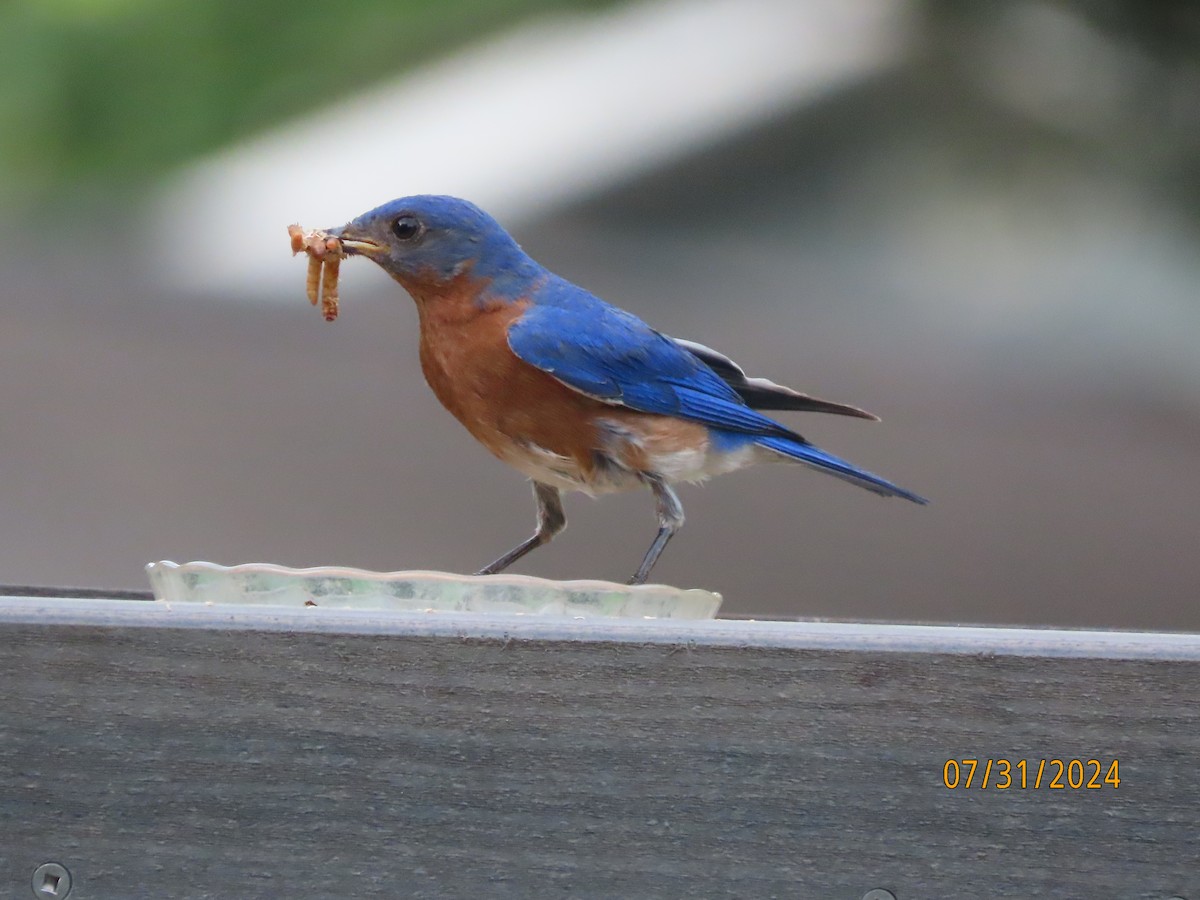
[[1031, 774]]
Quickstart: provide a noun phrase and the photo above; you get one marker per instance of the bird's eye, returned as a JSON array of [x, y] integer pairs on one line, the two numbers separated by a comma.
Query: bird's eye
[[406, 228]]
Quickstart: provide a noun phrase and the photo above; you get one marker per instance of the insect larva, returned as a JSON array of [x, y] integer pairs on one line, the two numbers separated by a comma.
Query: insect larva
[[325, 254], [329, 287], [314, 279]]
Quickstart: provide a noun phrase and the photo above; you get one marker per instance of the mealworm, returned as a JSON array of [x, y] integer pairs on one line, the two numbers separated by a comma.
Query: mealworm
[[325, 255], [314, 279], [329, 287], [296, 233]]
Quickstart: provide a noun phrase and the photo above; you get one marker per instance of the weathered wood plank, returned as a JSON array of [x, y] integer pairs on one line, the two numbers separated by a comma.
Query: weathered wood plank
[[252, 753]]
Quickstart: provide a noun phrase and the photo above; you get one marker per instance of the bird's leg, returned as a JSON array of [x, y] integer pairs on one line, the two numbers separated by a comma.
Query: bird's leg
[[550, 521], [670, 520]]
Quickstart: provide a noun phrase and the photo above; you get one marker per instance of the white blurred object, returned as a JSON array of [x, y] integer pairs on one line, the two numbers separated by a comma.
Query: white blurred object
[[335, 587], [550, 112]]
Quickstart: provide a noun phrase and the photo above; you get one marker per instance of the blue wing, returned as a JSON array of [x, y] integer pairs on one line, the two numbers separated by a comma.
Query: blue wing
[[614, 356]]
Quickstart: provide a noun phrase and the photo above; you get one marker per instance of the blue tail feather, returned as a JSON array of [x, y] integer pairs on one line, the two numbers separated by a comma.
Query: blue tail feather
[[827, 462]]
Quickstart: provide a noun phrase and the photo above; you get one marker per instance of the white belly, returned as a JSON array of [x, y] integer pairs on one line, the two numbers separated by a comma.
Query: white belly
[[691, 465]]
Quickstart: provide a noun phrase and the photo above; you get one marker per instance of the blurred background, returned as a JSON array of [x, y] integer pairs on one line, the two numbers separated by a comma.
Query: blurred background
[[978, 221]]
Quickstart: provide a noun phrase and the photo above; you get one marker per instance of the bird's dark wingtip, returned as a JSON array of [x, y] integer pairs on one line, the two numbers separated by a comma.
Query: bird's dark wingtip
[[915, 498]]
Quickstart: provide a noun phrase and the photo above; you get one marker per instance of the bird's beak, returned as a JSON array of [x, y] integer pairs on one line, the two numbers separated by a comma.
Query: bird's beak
[[354, 243]]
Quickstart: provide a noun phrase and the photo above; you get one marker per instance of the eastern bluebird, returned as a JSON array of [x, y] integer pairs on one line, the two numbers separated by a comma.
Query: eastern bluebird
[[575, 393]]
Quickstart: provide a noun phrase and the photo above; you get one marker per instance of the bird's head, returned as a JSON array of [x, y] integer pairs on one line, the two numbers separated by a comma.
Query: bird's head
[[426, 242]]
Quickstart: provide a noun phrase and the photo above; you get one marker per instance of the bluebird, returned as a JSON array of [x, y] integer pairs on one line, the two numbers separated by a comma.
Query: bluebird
[[573, 392]]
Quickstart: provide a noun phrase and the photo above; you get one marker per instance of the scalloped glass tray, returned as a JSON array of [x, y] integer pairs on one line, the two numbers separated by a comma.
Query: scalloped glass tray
[[264, 584]]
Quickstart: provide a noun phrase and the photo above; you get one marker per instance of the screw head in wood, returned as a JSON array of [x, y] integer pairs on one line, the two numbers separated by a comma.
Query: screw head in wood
[[51, 881], [878, 894]]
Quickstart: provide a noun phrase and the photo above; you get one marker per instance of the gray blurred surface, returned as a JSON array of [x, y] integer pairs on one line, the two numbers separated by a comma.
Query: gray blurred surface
[[1017, 303]]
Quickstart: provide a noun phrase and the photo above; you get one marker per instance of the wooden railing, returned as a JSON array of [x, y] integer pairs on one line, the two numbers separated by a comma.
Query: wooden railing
[[236, 752]]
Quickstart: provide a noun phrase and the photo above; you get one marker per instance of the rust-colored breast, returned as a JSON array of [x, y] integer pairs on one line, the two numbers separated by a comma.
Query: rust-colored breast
[[527, 417], [503, 401]]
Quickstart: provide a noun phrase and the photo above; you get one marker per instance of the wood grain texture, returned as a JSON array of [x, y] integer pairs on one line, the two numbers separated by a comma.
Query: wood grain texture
[[235, 761]]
